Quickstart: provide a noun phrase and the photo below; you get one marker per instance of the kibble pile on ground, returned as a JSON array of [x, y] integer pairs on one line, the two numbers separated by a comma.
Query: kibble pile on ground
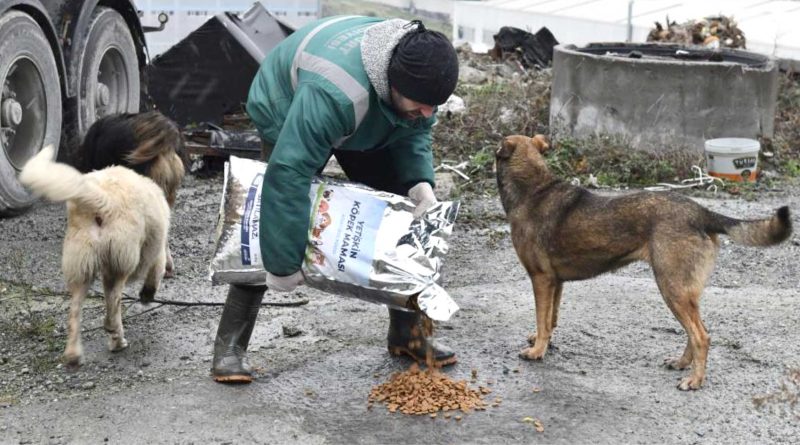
[[428, 391]]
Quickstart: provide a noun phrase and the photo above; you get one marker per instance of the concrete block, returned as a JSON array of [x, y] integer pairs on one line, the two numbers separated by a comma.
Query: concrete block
[[662, 97]]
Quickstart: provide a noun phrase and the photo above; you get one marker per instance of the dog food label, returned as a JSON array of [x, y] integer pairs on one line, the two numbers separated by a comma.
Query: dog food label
[[251, 248], [344, 225]]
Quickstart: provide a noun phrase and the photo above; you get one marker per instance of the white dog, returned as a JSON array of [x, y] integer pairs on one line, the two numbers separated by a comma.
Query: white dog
[[117, 224]]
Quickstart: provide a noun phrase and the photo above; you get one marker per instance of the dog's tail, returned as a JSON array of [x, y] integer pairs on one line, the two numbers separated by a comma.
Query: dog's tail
[[60, 182], [758, 232], [157, 135]]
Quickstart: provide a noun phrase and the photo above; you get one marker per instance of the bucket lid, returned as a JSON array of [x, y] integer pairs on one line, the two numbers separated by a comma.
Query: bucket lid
[[733, 145]]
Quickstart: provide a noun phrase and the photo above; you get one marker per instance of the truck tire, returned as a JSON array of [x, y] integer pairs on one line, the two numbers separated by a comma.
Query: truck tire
[[108, 78], [30, 103]]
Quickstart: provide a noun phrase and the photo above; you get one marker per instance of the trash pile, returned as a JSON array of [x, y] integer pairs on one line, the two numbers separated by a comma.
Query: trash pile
[[236, 136], [711, 32], [532, 50]]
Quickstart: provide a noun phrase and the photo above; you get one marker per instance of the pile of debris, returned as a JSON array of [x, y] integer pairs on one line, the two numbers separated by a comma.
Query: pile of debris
[[711, 32], [532, 50]]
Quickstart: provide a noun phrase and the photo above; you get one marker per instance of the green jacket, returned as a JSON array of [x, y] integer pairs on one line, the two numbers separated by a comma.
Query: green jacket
[[326, 86]]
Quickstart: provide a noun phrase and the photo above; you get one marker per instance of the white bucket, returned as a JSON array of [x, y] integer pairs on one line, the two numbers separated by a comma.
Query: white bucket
[[735, 159]]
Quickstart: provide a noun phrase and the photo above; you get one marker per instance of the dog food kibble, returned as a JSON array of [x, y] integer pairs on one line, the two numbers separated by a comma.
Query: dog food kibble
[[426, 391]]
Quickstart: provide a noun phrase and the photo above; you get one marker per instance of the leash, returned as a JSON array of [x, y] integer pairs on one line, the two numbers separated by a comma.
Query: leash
[[126, 297], [161, 303]]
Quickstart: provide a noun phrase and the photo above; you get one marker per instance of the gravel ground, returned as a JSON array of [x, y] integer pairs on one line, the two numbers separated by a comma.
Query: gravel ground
[[602, 382]]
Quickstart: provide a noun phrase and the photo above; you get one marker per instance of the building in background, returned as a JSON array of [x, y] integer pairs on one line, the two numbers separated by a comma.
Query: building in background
[[770, 26], [187, 15]]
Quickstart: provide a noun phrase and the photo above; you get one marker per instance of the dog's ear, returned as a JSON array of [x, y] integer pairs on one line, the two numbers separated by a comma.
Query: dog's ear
[[540, 142], [507, 148]]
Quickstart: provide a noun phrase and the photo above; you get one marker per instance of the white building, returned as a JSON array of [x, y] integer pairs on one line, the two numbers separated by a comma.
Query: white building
[[770, 27], [187, 15]]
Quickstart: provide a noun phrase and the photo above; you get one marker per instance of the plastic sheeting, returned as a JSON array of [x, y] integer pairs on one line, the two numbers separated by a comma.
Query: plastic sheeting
[[208, 74]]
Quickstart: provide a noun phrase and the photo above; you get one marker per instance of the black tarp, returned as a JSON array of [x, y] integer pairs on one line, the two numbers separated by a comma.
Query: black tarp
[[534, 50], [208, 74]]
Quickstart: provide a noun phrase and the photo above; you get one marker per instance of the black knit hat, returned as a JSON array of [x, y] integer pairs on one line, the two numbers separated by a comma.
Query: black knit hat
[[424, 66]]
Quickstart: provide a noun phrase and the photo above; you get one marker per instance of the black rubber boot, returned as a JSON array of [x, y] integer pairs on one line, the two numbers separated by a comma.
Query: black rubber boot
[[233, 334], [406, 338]]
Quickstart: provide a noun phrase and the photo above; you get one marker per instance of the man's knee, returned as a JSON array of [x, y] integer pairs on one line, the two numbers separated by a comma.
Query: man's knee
[[371, 168]]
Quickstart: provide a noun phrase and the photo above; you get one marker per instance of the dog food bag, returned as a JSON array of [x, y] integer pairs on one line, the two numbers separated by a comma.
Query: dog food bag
[[362, 243]]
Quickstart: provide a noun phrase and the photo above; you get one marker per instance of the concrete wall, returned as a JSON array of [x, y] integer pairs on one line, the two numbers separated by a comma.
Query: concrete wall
[[661, 104]]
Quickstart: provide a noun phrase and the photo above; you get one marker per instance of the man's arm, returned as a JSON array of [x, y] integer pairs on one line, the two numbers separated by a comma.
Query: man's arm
[[314, 123], [412, 159]]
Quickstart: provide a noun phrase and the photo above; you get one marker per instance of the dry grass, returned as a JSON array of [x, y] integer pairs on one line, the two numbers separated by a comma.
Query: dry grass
[[519, 104], [503, 105]]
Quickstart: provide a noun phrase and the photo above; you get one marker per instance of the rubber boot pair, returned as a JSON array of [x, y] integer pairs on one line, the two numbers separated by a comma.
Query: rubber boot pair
[[233, 334], [407, 337]]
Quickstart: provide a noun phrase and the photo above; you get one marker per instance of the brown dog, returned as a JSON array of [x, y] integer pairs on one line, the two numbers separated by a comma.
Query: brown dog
[[563, 233], [117, 223], [148, 143]]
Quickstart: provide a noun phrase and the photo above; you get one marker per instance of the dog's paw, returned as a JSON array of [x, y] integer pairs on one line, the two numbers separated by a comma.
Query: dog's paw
[[676, 363], [72, 362], [117, 344], [690, 383], [532, 342], [532, 353], [147, 294]]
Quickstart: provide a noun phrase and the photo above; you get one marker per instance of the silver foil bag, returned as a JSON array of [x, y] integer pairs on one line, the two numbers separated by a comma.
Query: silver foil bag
[[362, 243]]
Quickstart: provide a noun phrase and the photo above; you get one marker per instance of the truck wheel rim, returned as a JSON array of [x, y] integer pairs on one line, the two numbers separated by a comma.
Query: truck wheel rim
[[111, 94], [23, 112]]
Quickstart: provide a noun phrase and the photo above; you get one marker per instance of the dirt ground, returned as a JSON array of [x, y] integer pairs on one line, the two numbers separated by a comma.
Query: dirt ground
[[601, 383]]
